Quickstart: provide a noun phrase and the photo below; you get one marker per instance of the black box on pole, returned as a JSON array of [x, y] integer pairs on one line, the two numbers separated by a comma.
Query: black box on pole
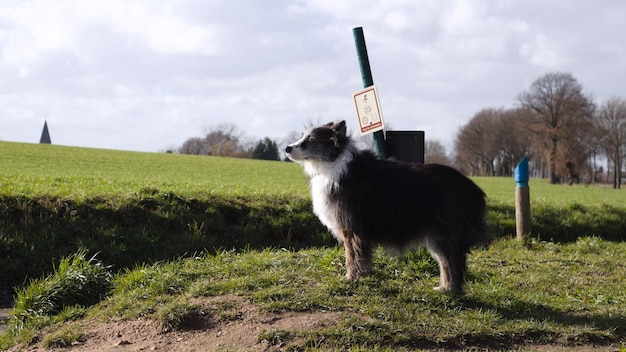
[[407, 146]]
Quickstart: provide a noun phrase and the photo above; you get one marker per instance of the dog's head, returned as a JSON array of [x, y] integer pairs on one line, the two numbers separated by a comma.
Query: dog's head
[[324, 143]]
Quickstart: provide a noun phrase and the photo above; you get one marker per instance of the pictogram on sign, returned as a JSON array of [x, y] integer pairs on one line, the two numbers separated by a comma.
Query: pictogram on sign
[[368, 110]]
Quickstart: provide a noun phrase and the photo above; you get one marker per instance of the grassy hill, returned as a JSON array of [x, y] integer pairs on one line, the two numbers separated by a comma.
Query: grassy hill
[[172, 230], [141, 207], [138, 207]]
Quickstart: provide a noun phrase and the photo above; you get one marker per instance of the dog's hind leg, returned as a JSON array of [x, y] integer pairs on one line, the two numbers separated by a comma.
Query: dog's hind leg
[[458, 267], [358, 256], [451, 259], [452, 266], [444, 269]]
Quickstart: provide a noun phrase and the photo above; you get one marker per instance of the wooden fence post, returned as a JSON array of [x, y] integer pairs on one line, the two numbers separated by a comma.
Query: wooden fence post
[[522, 200]]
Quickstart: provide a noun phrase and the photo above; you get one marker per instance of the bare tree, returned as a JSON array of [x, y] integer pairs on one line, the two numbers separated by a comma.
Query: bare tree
[[476, 150], [194, 146], [435, 153], [611, 121], [511, 137], [560, 114], [220, 140], [223, 140], [493, 142], [596, 151]]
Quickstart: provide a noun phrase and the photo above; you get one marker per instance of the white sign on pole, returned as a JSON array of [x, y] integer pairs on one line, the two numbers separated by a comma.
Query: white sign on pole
[[368, 110]]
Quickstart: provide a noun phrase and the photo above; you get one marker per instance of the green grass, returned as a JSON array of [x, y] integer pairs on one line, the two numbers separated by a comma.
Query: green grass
[[502, 190], [558, 212], [33, 170], [517, 295], [170, 228], [77, 281], [142, 207]]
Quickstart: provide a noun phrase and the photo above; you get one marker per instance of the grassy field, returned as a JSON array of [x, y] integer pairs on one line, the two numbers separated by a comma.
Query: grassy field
[[142, 211], [34, 170]]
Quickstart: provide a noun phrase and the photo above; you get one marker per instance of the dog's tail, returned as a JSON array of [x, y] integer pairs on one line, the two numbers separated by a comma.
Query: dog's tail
[[480, 234]]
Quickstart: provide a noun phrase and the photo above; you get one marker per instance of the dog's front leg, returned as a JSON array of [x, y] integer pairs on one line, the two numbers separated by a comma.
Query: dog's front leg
[[358, 256], [351, 270]]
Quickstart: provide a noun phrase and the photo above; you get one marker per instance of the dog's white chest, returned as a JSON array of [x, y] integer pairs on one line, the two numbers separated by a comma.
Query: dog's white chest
[[321, 188]]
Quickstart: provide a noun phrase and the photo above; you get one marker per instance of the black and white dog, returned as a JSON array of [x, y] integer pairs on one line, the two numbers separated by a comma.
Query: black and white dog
[[365, 201]]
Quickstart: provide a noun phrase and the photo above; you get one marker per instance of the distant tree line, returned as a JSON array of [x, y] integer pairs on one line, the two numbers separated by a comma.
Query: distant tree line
[[556, 125], [228, 140]]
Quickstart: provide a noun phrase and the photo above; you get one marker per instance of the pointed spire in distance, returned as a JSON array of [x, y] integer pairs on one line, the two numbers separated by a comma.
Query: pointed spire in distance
[[45, 135]]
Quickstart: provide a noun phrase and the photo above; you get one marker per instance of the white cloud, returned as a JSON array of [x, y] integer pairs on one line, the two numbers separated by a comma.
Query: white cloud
[[41, 26], [163, 30], [397, 21], [463, 18], [543, 52], [148, 74]]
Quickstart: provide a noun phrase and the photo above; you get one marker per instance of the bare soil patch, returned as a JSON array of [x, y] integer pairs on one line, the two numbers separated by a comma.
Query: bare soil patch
[[6, 302], [4, 318], [237, 329]]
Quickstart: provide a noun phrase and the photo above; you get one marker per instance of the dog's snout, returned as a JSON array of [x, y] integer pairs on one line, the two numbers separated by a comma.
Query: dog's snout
[[288, 149]]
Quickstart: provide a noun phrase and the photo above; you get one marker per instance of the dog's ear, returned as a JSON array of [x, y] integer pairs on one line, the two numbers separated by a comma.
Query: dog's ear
[[330, 124], [339, 135], [340, 128]]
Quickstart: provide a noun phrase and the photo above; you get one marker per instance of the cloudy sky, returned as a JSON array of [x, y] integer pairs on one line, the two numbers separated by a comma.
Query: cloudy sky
[[146, 75]]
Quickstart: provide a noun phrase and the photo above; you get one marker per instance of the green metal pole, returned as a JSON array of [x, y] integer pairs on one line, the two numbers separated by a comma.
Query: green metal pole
[[366, 76]]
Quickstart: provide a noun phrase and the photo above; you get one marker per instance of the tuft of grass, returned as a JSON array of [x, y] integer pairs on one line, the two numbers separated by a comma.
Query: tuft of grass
[[274, 337], [63, 338], [180, 315], [77, 283]]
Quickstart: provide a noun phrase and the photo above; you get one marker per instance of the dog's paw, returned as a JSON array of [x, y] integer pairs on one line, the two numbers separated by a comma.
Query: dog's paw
[[352, 277], [449, 289]]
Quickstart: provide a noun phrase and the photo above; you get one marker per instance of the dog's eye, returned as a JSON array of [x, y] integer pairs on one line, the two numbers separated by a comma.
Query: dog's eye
[[311, 139]]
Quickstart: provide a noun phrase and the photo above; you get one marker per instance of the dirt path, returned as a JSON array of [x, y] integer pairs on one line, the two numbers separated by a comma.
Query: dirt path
[[236, 330], [6, 302], [4, 318]]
